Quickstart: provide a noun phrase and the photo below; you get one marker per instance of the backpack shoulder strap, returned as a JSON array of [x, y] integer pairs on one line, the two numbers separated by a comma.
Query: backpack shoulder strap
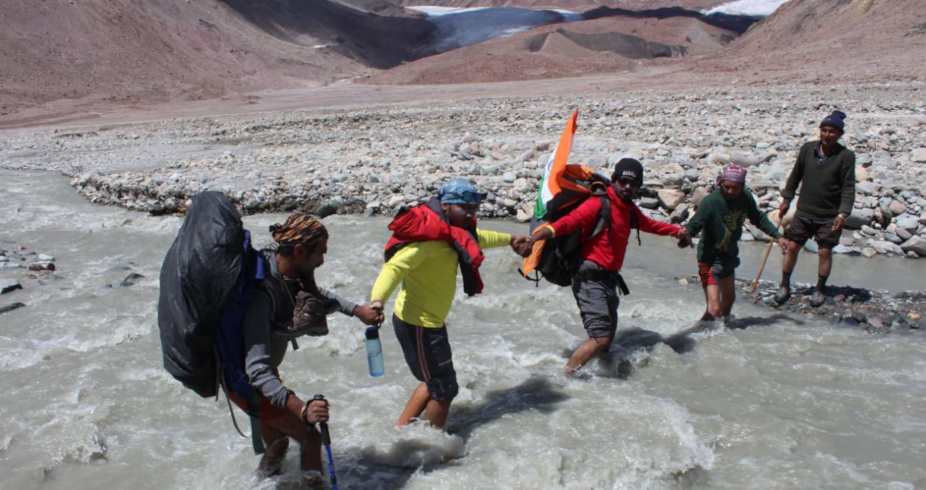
[[604, 216]]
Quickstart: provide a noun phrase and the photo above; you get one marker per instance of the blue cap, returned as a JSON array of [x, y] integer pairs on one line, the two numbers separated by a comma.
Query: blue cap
[[458, 191]]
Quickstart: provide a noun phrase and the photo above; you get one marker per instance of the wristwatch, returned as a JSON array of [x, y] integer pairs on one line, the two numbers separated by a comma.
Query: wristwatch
[[843, 216]]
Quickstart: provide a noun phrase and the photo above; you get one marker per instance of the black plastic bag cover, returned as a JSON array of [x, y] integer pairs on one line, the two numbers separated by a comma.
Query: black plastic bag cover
[[197, 281]]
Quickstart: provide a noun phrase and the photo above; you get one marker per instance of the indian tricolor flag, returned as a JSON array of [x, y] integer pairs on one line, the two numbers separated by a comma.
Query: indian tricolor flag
[[556, 166], [561, 185]]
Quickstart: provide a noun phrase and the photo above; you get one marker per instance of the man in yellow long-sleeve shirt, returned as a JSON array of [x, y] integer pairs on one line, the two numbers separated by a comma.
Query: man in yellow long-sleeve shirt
[[427, 244]]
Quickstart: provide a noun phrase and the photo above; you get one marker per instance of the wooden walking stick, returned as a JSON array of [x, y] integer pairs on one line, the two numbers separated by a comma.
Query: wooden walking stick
[[764, 259]]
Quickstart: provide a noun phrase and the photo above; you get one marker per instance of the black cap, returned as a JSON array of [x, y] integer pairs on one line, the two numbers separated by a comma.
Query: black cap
[[628, 169]]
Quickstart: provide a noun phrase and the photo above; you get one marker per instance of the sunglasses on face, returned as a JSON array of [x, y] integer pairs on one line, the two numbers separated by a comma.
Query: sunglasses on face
[[470, 196], [626, 182]]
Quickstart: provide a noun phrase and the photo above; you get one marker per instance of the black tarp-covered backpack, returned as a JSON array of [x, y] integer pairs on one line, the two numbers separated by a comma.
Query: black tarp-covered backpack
[[207, 279]]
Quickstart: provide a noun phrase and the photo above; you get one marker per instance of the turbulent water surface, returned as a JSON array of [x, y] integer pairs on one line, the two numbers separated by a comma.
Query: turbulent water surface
[[784, 403]]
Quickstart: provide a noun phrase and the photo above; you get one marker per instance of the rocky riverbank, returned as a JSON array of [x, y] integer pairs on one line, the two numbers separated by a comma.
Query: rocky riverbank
[[875, 311], [374, 159]]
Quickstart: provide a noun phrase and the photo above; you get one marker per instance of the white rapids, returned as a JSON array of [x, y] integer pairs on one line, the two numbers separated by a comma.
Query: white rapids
[[785, 403]]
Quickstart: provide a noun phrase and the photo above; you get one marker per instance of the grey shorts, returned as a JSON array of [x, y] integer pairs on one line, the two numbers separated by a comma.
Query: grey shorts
[[597, 301]]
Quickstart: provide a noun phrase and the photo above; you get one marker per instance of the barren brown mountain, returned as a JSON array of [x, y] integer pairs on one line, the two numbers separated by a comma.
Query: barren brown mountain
[[574, 5], [140, 52], [805, 41], [833, 41], [81, 55]]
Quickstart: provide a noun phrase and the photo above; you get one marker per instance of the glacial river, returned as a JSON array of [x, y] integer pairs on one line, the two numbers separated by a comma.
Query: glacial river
[[785, 403]]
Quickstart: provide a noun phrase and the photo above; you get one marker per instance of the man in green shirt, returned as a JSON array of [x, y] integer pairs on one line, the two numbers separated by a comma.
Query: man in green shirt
[[825, 170], [720, 217]]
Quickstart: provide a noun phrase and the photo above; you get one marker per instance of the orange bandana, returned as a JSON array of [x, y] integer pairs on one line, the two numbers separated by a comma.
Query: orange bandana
[[298, 228]]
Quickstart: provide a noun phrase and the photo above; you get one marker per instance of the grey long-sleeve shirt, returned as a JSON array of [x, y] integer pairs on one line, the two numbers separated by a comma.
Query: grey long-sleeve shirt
[[264, 350]]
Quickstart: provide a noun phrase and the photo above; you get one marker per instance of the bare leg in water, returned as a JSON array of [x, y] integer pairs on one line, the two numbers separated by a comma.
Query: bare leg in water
[[276, 433], [586, 351], [436, 411], [719, 298]]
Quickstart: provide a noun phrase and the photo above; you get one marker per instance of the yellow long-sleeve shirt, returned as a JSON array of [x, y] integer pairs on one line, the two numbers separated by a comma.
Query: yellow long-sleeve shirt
[[428, 274]]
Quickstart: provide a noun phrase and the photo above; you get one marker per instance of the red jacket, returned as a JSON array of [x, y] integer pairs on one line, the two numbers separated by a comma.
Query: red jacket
[[607, 249], [427, 222]]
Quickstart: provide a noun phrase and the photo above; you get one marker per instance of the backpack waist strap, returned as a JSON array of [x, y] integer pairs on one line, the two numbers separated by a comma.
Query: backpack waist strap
[[604, 276]]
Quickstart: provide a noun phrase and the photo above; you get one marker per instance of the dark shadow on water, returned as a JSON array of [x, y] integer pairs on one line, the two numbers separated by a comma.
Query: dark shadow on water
[[629, 341], [533, 394]]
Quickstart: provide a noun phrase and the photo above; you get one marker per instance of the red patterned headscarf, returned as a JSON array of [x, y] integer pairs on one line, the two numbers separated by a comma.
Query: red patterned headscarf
[[733, 173]]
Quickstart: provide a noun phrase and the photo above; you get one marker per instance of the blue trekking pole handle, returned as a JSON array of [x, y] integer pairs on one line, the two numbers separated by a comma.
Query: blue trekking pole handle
[[326, 441]]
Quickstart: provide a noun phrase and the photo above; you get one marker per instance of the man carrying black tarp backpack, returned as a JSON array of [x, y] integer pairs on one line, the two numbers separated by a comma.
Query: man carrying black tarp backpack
[[217, 291], [597, 273]]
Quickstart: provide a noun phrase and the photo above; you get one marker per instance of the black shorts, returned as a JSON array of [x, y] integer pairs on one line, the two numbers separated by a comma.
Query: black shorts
[[427, 353], [802, 229], [712, 273], [597, 301]]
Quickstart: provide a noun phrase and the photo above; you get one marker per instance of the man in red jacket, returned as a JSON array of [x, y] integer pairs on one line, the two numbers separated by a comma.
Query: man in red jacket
[[602, 255]]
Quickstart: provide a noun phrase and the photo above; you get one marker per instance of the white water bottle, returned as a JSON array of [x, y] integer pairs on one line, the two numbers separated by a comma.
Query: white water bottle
[[375, 352]]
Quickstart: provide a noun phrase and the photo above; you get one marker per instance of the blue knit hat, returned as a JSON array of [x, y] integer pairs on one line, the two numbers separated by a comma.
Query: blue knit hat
[[458, 191], [835, 120]]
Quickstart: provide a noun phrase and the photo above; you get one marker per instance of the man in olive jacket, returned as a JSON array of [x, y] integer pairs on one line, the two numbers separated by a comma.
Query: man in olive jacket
[[825, 170]]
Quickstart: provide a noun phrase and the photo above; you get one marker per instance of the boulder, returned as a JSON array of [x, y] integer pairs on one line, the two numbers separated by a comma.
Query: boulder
[[330, 207], [843, 249], [671, 198], [897, 208], [885, 247], [903, 234], [543, 145], [9, 285], [859, 218], [861, 174], [672, 180], [11, 307], [882, 215], [42, 266], [649, 203], [919, 155], [907, 222], [698, 195], [527, 155], [811, 246], [679, 214], [743, 159], [915, 244], [867, 188], [130, 280]]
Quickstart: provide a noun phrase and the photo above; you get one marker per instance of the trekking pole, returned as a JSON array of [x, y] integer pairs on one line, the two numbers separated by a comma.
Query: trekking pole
[[761, 267], [326, 441]]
